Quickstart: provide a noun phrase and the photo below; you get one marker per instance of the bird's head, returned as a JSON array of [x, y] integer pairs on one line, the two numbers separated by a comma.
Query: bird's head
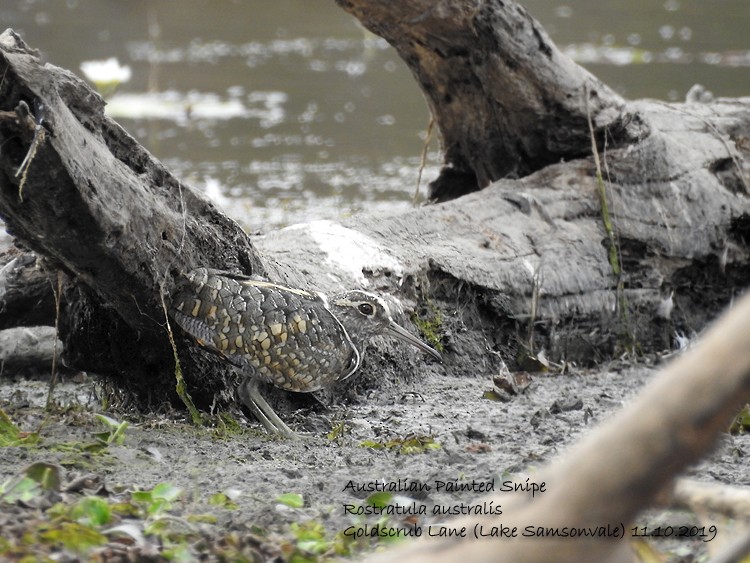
[[365, 315]]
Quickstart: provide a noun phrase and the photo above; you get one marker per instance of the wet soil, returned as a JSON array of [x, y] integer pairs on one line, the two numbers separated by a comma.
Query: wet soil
[[479, 440]]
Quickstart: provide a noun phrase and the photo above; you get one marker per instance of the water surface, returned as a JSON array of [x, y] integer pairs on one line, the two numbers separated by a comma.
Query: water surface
[[289, 111]]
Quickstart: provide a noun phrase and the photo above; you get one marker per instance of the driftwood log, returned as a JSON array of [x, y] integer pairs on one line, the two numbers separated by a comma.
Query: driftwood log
[[506, 101], [561, 259], [96, 206], [28, 349]]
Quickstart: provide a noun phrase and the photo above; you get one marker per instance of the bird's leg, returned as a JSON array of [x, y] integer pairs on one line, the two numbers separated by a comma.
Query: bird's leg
[[250, 396]]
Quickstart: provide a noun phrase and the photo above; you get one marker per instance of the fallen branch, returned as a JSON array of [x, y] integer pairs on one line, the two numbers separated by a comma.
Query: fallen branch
[[28, 349]]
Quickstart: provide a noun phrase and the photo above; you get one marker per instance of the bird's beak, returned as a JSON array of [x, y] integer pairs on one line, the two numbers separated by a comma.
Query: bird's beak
[[399, 332]]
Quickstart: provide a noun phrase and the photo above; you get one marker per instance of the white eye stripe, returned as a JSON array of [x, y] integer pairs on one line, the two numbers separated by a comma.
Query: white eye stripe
[[358, 304], [355, 299]]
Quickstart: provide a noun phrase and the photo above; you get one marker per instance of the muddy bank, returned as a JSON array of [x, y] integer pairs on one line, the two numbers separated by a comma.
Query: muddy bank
[[459, 439]]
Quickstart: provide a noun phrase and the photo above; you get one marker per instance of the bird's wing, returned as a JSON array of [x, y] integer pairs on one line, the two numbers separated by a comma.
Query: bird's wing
[[288, 336]]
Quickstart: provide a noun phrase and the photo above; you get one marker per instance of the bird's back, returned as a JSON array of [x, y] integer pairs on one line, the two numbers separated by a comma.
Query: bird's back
[[289, 337]]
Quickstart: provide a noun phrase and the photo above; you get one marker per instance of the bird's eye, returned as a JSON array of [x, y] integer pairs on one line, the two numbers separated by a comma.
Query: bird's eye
[[366, 309]]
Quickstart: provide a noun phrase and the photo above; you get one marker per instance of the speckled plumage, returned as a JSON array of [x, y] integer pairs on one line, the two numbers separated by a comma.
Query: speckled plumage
[[294, 339], [288, 337]]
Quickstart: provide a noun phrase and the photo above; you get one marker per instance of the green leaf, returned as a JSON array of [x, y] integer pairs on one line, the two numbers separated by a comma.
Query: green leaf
[[8, 431], [107, 421], [337, 431], [92, 511], [308, 531], [202, 518], [741, 422], [417, 444], [74, 536], [314, 546], [97, 447], [158, 505], [409, 445], [293, 500], [157, 500], [166, 491], [142, 496], [115, 434], [118, 436], [34, 481], [10, 435], [371, 444], [125, 509], [23, 489], [222, 500], [179, 553], [46, 474], [161, 527]]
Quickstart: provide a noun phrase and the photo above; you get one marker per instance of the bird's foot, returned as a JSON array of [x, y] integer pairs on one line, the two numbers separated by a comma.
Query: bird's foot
[[250, 396]]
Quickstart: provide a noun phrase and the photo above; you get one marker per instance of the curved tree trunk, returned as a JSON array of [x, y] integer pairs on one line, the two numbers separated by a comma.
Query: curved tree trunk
[[506, 101], [83, 194]]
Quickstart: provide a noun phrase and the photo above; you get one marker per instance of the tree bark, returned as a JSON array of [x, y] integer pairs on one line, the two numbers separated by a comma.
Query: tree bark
[[100, 208], [26, 296], [660, 242], [505, 100]]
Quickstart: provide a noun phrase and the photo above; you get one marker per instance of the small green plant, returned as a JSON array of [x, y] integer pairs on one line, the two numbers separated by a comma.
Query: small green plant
[[430, 324], [115, 433], [226, 426], [337, 431], [31, 483], [157, 500], [293, 500], [311, 539], [73, 527], [11, 435], [614, 254], [741, 423], [76, 537], [180, 385], [311, 543], [224, 500], [92, 511]]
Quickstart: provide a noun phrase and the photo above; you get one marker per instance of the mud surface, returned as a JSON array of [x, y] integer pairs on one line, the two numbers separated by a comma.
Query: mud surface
[[479, 440]]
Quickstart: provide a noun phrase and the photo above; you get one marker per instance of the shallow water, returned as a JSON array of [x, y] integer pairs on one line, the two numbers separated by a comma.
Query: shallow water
[[285, 113]]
